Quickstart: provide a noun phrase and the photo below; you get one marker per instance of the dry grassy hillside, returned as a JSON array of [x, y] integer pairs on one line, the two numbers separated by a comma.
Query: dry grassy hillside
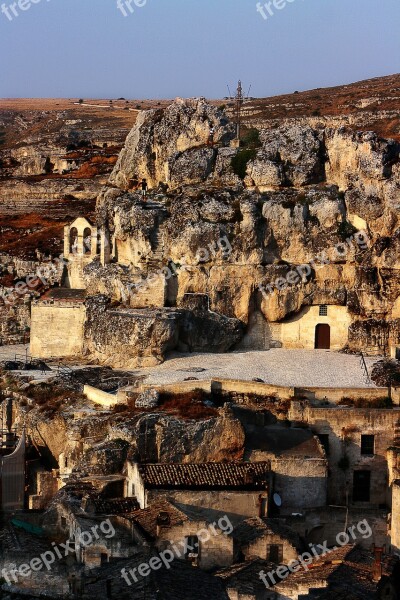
[[56, 154]]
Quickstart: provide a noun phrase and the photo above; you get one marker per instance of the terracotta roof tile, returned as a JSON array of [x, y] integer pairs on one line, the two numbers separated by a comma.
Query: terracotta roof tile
[[207, 475]]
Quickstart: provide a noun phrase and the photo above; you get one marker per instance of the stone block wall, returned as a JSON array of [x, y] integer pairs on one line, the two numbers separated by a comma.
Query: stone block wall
[[47, 487], [235, 504], [395, 518], [299, 331], [260, 548], [214, 552], [344, 428], [301, 482], [57, 329]]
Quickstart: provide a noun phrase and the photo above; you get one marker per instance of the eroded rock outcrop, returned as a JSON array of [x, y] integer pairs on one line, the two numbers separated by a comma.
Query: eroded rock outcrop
[[312, 188], [169, 146]]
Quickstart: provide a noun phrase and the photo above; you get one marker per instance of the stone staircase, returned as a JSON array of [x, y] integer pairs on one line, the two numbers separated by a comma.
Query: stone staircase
[[156, 258], [157, 243]]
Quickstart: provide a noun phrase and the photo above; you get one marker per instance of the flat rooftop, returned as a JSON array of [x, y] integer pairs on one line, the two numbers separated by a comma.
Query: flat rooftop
[[62, 294]]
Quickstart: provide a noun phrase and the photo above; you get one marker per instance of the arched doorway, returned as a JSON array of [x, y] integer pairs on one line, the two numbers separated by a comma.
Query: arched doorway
[[322, 336]]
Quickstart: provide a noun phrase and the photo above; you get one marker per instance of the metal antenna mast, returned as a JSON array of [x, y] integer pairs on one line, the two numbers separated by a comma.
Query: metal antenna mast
[[239, 101], [238, 108]]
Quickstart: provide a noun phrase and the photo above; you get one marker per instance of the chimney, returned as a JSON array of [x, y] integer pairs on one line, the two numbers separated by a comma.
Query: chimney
[[377, 565]]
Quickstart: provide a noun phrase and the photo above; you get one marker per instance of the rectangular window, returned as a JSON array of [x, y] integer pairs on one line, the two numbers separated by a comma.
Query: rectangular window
[[323, 310], [361, 486], [324, 439], [275, 553], [192, 547], [368, 444]]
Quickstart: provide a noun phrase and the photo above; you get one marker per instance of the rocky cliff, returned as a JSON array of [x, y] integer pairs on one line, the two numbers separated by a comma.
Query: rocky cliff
[[306, 195]]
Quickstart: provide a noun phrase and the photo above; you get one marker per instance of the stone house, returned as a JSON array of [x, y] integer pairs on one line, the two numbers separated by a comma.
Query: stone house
[[356, 441], [268, 539], [234, 489], [79, 514], [187, 533], [298, 462], [57, 323], [322, 326]]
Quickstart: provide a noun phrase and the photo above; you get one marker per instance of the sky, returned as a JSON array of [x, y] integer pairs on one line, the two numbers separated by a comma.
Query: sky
[[169, 48]]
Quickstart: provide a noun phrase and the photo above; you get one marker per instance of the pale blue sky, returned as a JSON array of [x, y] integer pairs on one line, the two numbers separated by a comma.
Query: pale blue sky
[[168, 48]]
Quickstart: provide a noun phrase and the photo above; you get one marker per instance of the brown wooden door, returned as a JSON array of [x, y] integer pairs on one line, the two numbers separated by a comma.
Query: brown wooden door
[[322, 337]]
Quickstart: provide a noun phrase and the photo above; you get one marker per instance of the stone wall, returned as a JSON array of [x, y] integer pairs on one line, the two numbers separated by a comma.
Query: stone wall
[[15, 321], [216, 552], [301, 482], [344, 427], [100, 397], [300, 331], [47, 487], [395, 518], [57, 329], [259, 547], [325, 523], [235, 504]]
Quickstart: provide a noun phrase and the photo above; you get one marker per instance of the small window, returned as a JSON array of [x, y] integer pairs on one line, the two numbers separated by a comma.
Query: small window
[[275, 553], [324, 439], [323, 310], [368, 444], [192, 547]]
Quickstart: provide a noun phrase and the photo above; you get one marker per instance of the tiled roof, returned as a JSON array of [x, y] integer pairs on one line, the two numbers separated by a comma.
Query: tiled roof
[[160, 512], [345, 572], [244, 578], [206, 475], [254, 528], [180, 582], [114, 507]]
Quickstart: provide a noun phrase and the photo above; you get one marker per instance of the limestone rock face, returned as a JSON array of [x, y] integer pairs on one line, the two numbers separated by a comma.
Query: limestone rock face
[[123, 337], [291, 155], [310, 190], [213, 440], [202, 330], [169, 146]]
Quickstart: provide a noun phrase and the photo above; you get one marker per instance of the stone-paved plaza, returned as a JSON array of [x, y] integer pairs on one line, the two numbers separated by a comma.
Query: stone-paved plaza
[[299, 368]]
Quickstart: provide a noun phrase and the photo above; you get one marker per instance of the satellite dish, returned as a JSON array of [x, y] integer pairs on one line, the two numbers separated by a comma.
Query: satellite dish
[[277, 500]]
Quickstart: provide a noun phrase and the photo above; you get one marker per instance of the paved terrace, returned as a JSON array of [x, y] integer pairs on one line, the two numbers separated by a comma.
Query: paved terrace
[[292, 368], [285, 367]]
